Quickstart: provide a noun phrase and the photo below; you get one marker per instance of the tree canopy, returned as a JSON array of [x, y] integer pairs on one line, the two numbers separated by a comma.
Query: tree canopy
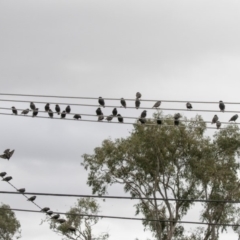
[[179, 162]]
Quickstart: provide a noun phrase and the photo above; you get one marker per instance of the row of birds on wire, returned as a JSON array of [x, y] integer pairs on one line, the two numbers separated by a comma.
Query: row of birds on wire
[[7, 154]]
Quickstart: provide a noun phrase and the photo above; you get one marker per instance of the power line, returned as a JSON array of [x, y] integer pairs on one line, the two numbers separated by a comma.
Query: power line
[[127, 218], [121, 197]]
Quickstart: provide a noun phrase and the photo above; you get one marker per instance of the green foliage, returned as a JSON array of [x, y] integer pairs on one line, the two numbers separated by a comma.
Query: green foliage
[[9, 225], [171, 162]]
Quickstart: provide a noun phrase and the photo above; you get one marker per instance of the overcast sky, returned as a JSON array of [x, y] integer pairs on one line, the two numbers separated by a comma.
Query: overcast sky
[[167, 50]]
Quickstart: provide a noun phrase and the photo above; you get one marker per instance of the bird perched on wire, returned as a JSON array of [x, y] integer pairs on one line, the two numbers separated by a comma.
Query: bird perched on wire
[[114, 112], [63, 114], [35, 112], [215, 118], [234, 118], [21, 190], [221, 106], [137, 103], [144, 114], [49, 213], [101, 101], [177, 116], [14, 110], [120, 118], [2, 174], [47, 107], [7, 154], [25, 112], [50, 113], [100, 118], [32, 106], [123, 102], [45, 209], [218, 124], [7, 179], [55, 217], [31, 199], [138, 95], [189, 105], [109, 118], [157, 104], [99, 111], [68, 109], [77, 116], [142, 120], [57, 108]]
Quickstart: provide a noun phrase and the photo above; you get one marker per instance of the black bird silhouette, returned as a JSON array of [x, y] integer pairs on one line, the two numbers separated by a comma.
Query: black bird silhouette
[[47, 107], [14, 110], [215, 118], [99, 111], [50, 113], [234, 118], [35, 112], [7, 179], [7, 154], [221, 106], [100, 118], [101, 101], [49, 213], [137, 103], [2, 174], [71, 229], [123, 102], [114, 112], [21, 190], [63, 114], [31, 199], [144, 114], [218, 124], [159, 121], [177, 116], [142, 120], [57, 108], [157, 104], [138, 95], [189, 105], [45, 209], [109, 118], [55, 216], [77, 116], [61, 220], [176, 122], [68, 109], [120, 118], [25, 112], [32, 106]]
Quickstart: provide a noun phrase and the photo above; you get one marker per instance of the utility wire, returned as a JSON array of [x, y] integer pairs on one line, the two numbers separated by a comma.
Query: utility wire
[[118, 99], [121, 197], [127, 218]]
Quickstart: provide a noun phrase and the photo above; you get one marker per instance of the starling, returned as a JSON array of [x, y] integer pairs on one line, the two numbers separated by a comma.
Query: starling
[[50, 113], [176, 122], [120, 118], [31, 199], [157, 104], [72, 229], [221, 106], [35, 112], [61, 220], [142, 120], [63, 114], [21, 190], [123, 102], [2, 174], [32, 106], [138, 95], [47, 107], [7, 179], [218, 124], [99, 111], [159, 121], [14, 110], [189, 105], [7, 151], [68, 109], [215, 118], [177, 116], [109, 118], [7, 154], [25, 112], [49, 213], [57, 108], [234, 118], [57, 216], [45, 209], [101, 101], [77, 116], [114, 112], [137, 103], [144, 114], [100, 118]]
